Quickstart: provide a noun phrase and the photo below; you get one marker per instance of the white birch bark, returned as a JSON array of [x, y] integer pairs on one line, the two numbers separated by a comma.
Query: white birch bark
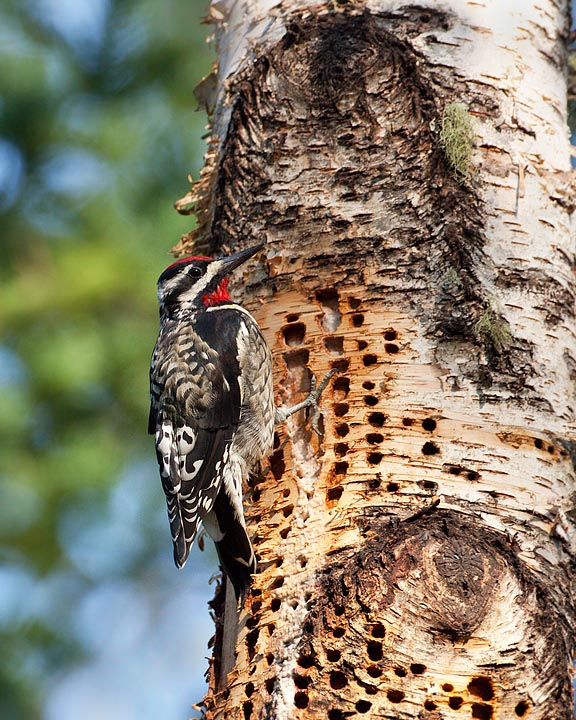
[[418, 563]]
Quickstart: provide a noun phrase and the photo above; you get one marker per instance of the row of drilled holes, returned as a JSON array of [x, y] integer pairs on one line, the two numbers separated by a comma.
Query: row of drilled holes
[[480, 687], [480, 711], [294, 334]]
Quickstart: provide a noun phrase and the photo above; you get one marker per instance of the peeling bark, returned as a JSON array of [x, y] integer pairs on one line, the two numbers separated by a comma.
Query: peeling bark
[[419, 561]]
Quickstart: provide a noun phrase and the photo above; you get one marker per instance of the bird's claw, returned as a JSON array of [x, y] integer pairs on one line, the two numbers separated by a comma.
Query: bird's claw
[[314, 396]]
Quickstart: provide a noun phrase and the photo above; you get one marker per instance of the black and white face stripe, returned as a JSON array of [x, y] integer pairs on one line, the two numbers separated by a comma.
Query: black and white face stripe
[[187, 281]]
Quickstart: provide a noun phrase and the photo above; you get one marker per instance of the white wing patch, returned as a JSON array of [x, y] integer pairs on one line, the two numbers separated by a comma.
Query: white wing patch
[[167, 452]]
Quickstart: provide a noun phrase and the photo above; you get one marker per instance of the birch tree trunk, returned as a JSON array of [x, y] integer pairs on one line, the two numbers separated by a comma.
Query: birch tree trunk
[[408, 168]]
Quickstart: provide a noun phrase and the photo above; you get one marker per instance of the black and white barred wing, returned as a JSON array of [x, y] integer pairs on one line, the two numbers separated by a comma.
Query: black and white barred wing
[[194, 413]]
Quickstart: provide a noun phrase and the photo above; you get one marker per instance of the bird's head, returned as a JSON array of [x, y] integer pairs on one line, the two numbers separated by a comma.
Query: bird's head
[[197, 282]]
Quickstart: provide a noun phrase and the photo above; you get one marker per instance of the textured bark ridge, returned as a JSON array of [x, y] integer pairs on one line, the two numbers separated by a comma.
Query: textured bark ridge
[[419, 561]]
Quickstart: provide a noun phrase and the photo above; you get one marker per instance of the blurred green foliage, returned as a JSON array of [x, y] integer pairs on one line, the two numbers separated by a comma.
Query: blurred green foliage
[[97, 135]]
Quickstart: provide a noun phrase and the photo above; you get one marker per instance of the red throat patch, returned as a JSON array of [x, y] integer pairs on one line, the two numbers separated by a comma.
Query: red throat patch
[[219, 296]]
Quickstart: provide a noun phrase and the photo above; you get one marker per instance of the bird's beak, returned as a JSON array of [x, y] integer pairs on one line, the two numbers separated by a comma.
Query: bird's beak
[[227, 264]]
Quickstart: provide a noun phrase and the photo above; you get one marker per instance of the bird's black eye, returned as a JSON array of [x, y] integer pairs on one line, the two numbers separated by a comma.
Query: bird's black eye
[[195, 272]]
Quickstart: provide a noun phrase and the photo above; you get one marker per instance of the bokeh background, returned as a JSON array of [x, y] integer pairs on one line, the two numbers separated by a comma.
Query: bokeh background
[[98, 132]]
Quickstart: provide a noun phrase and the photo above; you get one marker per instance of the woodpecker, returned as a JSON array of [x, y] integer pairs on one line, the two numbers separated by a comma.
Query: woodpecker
[[212, 408]]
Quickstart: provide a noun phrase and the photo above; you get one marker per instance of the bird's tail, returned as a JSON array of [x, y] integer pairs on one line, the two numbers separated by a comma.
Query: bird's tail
[[235, 552]]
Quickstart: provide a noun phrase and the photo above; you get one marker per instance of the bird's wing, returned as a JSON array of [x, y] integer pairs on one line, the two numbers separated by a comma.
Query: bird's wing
[[195, 410]]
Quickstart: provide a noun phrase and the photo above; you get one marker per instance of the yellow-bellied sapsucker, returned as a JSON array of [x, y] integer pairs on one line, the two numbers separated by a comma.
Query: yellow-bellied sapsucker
[[212, 407]]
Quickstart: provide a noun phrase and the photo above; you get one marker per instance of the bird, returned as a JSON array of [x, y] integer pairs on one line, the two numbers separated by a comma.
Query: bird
[[212, 408]]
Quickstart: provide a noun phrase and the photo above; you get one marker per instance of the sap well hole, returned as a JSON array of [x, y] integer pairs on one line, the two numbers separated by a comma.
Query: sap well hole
[[378, 630], [341, 387], [328, 298], [368, 385], [301, 681], [335, 714], [301, 699], [358, 320], [334, 493], [428, 485], [338, 680], [296, 359], [294, 334], [480, 711], [376, 419], [340, 449], [429, 424], [362, 706], [341, 366], [340, 409], [390, 334], [334, 345], [430, 448], [277, 464], [395, 696], [481, 687], [375, 650]]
